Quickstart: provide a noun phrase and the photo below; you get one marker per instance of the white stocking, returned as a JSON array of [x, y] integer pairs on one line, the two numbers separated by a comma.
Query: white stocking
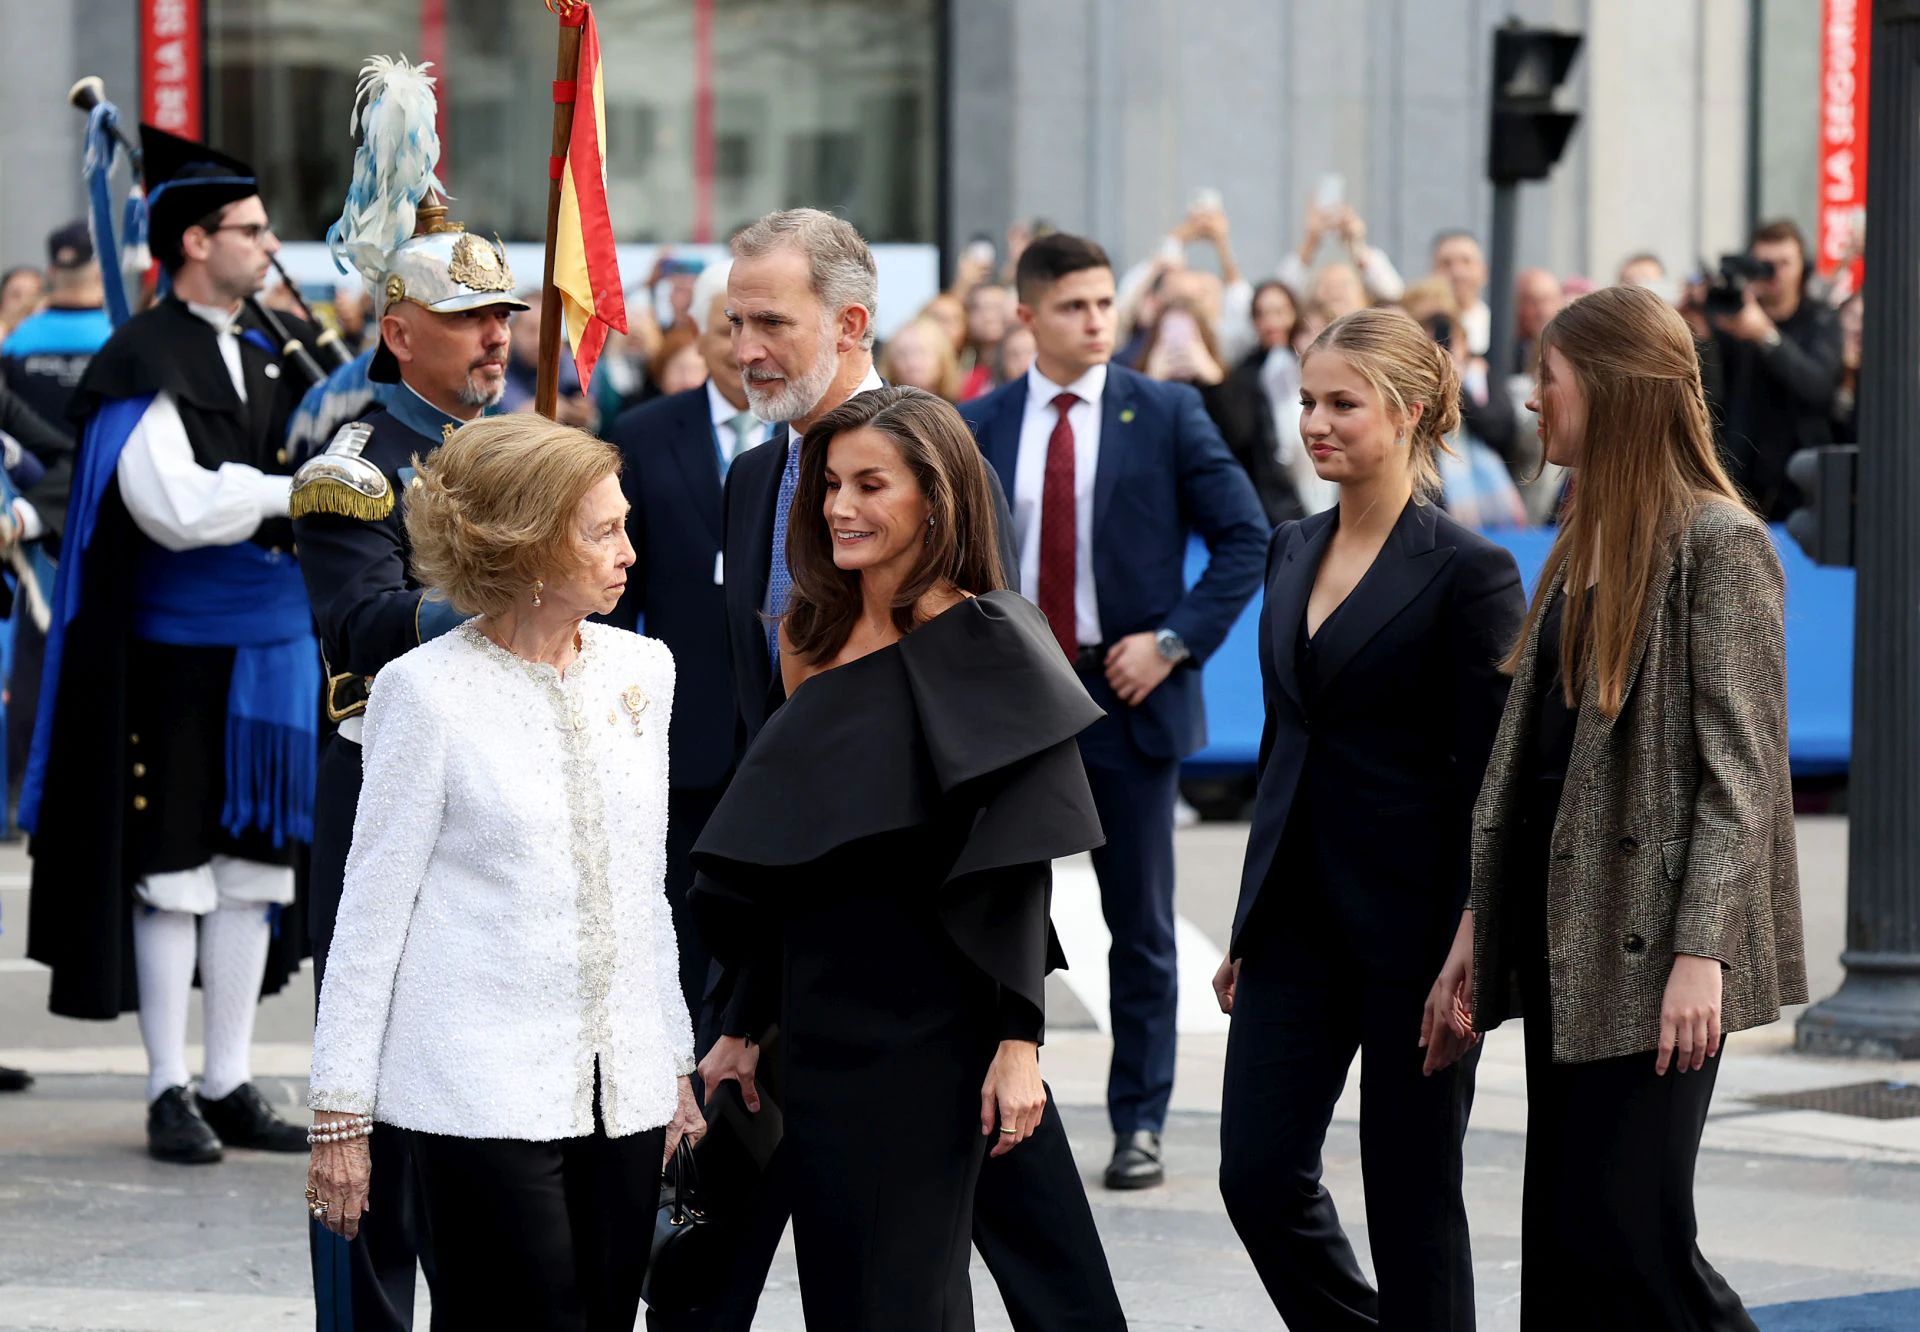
[[163, 952], [233, 957]]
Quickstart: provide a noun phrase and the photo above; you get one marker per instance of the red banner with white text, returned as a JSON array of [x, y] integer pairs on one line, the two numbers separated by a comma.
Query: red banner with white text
[[170, 61], [1844, 29]]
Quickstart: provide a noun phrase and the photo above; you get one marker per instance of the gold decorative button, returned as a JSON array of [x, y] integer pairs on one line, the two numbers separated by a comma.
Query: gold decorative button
[[139, 770], [134, 738], [139, 802]]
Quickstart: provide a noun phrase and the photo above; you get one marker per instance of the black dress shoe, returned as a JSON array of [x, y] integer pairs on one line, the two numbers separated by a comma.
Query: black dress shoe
[[176, 1132], [14, 1079], [243, 1118], [1136, 1162]]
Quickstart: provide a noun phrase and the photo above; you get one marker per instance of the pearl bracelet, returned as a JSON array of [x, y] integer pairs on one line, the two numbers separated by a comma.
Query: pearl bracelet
[[341, 1130]]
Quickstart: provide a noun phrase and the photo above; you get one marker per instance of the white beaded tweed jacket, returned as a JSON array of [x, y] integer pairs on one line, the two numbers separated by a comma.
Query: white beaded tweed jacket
[[504, 925]]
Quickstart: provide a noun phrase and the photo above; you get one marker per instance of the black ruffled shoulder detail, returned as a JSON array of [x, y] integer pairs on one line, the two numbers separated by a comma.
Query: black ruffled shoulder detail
[[968, 707], [971, 718]]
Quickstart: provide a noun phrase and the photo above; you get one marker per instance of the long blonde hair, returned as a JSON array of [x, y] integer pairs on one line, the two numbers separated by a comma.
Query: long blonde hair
[[1648, 463]]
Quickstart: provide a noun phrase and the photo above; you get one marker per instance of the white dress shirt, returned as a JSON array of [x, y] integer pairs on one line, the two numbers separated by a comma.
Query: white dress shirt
[[175, 501], [723, 414], [504, 928], [1477, 322], [1029, 480]]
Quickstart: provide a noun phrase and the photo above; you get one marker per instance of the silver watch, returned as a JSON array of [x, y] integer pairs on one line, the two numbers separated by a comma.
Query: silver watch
[[1172, 648]]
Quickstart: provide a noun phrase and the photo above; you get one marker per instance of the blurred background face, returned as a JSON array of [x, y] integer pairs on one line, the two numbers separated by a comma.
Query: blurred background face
[[783, 337], [1537, 298], [989, 309], [685, 369], [947, 311], [716, 350], [1782, 290], [1459, 261], [913, 359], [1274, 316], [525, 345], [1642, 273], [20, 296], [1016, 352], [1198, 288], [1338, 291]]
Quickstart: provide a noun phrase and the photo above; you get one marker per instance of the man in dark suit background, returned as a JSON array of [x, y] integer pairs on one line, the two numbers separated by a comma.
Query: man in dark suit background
[[676, 452], [801, 299], [1109, 472]]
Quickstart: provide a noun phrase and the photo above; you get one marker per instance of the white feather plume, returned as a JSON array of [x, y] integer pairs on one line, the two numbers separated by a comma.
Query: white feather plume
[[394, 166]]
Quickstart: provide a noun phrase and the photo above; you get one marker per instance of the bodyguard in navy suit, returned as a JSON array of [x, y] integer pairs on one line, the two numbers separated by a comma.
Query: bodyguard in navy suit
[[1110, 473], [676, 452]]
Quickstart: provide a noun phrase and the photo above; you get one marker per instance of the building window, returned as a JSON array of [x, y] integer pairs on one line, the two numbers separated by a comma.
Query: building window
[[827, 103]]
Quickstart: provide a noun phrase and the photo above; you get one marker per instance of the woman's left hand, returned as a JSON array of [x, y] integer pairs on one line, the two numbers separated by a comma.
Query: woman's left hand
[[1689, 1015], [1013, 1097], [687, 1121]]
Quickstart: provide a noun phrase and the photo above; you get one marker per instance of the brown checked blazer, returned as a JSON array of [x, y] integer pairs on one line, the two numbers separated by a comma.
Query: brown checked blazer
[[1675, 832]]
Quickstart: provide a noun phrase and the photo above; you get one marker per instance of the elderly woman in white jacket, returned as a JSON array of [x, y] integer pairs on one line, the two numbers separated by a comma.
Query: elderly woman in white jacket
[[504, 982]]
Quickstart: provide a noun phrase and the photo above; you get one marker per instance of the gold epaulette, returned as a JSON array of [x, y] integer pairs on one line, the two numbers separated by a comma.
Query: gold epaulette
[[342, 482]]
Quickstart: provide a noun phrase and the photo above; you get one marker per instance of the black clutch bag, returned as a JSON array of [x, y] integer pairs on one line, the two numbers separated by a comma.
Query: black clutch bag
[[705, 1199]]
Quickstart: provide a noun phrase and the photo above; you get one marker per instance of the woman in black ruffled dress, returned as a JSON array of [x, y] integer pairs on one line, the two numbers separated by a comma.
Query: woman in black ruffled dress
[[877, 876]]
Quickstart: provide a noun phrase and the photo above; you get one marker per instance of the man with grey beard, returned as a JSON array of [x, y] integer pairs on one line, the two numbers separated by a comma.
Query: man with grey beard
[[441, 361], [801, 299]]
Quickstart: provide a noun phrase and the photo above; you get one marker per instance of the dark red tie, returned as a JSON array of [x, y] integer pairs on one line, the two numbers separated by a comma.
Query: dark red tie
[[1057, 531]]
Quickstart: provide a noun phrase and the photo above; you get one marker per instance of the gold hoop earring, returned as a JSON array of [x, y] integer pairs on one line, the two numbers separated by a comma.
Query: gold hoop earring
[[539, 586]]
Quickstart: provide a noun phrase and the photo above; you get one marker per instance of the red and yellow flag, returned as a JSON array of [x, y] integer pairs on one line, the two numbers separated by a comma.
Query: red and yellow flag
[[585, 269]]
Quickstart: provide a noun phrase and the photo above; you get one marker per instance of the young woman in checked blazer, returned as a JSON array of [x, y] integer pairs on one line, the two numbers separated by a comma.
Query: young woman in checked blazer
[[1634, 886]]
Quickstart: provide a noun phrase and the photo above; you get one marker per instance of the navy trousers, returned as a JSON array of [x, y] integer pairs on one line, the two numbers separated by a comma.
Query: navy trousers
[[1134, 793], [366, 1284]]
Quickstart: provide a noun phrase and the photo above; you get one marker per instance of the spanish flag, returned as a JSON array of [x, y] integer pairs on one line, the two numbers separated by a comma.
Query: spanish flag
[[584, 266]]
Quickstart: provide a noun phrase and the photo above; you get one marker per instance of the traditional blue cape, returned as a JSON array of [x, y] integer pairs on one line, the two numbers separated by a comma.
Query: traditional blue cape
[[238, 596]]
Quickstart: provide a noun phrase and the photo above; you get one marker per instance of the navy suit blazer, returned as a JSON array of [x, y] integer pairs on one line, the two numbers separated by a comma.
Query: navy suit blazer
[[1164, 473], [1391, 747], [671, 476]]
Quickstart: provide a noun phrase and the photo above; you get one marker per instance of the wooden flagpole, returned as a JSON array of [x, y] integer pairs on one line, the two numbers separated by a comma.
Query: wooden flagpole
[[546, 396]]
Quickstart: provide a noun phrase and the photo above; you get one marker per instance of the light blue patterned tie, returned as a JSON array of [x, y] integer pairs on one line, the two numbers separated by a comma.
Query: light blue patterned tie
[[779, 581]]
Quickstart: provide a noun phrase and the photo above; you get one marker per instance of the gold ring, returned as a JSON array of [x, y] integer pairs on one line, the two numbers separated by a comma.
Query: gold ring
[[1008, 1130], [312, 1194]]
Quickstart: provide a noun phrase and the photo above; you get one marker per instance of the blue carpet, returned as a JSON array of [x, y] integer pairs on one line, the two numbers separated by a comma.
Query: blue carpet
[[1889, 1311]]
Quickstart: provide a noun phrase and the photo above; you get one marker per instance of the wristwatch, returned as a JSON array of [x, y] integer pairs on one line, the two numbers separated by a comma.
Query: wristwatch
[[1172, 648]]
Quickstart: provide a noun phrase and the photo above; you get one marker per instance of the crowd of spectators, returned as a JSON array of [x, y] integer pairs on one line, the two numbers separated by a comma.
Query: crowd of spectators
[[1781, 354]]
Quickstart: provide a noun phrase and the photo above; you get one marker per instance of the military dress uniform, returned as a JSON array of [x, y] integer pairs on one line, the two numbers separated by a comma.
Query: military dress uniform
[[369, 609]]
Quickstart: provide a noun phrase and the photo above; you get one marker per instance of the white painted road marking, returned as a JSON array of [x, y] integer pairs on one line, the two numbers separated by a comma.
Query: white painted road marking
[[1083, 933]]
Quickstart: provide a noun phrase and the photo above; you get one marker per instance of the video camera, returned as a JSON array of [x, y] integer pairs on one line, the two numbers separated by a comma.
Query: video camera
[[1727, 292]]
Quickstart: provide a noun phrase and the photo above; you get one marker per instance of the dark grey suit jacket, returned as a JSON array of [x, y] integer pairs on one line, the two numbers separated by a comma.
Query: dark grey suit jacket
[[1675, 833]]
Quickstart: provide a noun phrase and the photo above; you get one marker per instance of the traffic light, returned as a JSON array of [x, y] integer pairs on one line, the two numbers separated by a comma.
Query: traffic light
[[1823, 525], [1528, 134]]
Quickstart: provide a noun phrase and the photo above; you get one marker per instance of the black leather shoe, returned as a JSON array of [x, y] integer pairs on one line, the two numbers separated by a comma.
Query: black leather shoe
[[243, 1118], [176, 1132], [14, 1079], [1136, 1162]]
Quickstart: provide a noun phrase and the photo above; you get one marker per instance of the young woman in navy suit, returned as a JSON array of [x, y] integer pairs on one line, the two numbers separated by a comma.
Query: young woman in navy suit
[[1384, 624]]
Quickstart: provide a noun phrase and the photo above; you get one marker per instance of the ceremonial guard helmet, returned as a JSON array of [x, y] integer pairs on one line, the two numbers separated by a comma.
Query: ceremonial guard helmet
[[395, 232]]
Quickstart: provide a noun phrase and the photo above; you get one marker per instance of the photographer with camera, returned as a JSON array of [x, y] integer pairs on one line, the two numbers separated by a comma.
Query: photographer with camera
[[1771, 362]]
